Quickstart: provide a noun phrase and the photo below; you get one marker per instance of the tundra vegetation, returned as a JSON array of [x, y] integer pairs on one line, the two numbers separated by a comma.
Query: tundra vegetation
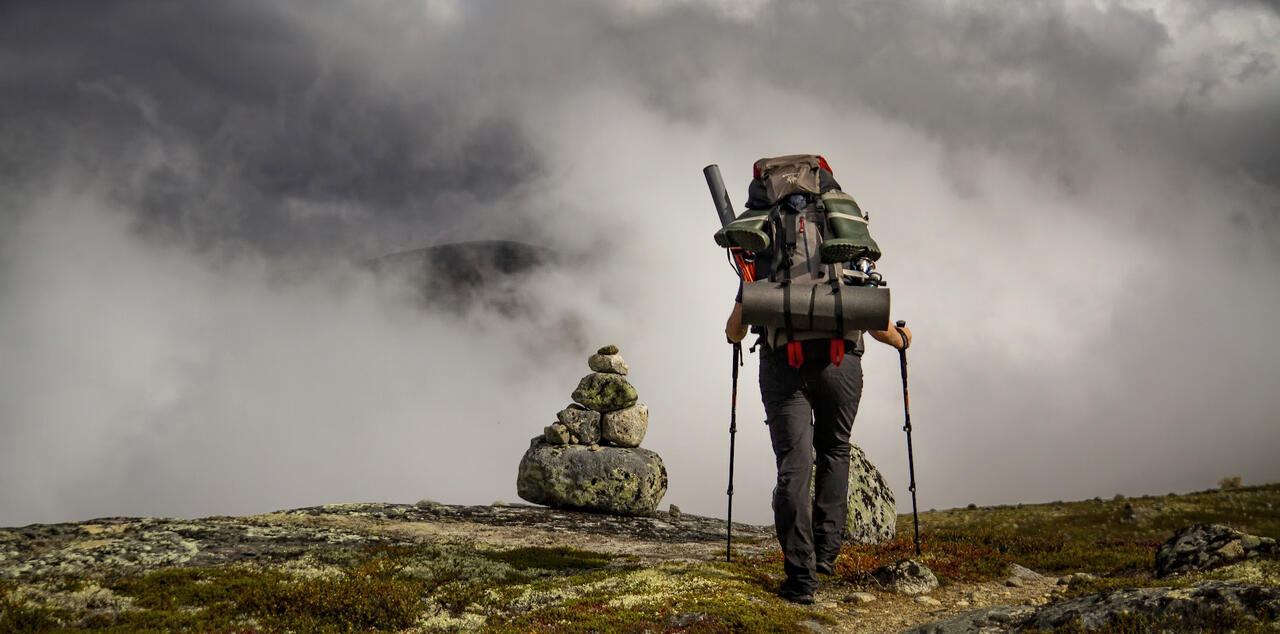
[[379, 576]]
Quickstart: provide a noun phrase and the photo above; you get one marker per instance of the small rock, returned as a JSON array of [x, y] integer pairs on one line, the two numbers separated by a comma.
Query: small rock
[[605, 392], [609, 349], [608, 363], [906, 577], [1064, 580], [1014, 582], [674, 511], [685, 620], [556, 434], [1022, 572], [926, 600], [859, 597], [962, 603], [625, 427], [582, 423]]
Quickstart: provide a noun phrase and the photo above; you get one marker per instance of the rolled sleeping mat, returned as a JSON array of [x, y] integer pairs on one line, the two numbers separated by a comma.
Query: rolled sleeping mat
[[850, 238], [813, 306], [749, 231]]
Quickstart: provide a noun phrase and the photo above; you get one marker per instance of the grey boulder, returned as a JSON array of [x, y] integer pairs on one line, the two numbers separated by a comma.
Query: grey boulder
[[906, 577], [604, 392], [607, 363], [583, 424], [621, 481], [873, 511], [1204, 546], [626, 427]]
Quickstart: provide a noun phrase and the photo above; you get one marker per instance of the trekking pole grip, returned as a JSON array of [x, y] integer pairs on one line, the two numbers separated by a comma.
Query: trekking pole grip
[[899, 326]]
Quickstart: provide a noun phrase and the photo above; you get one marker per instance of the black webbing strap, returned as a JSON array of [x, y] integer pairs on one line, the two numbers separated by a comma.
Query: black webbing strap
[[837, 286], [795, 353]]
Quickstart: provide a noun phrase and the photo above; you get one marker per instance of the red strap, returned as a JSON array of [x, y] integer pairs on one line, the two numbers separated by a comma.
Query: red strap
[[795, 355], [824, 165], [837, 351]]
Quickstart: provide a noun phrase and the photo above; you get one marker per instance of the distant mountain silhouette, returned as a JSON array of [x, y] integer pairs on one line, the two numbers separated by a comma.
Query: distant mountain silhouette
[[461, 274]]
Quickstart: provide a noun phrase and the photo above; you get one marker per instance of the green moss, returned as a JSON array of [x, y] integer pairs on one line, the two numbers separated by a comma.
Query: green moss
[[556, 558], [171, 589], [693, 597]]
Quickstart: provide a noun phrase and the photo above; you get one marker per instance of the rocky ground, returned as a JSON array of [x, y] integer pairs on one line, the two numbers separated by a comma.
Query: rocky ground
[[430, 567]]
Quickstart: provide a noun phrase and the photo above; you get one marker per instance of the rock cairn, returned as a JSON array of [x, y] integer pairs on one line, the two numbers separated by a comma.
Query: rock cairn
[[591, 458]]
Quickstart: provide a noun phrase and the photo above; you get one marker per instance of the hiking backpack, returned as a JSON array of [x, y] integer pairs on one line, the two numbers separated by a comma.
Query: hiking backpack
[[809, 259]]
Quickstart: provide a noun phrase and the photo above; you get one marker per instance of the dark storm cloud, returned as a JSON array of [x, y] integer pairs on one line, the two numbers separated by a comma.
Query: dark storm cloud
[[255, 122], [229, 121]]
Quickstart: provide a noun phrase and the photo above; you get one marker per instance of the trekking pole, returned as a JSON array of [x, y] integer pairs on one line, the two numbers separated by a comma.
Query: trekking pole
[[733, 432], [906, 410]]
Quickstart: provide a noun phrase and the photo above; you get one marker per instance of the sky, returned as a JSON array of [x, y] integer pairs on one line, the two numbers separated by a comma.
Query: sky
[[1078, 202]]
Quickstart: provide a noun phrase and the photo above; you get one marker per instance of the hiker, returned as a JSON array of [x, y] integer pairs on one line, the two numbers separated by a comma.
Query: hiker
[[809, 385]]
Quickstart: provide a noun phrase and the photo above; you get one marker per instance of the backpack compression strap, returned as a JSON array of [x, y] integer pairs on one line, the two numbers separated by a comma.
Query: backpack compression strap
[[836, 354]]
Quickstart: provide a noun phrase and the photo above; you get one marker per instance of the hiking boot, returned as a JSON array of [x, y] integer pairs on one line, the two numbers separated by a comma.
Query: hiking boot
[[850, 239], [826, 568], [801, 597]]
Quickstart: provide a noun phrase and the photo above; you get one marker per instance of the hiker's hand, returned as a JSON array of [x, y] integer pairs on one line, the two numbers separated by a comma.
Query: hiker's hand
[[734, 329], [891, 336], [904, 338]]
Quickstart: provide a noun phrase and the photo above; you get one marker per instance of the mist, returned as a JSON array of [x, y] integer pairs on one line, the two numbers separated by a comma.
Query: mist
[[1077, 203]]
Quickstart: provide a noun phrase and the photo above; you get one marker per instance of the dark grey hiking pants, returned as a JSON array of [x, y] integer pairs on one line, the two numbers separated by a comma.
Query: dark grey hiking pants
[[810, 413]]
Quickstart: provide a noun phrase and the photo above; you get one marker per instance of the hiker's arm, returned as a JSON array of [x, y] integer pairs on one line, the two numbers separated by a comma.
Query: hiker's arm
[[891, 336], [734, 329]]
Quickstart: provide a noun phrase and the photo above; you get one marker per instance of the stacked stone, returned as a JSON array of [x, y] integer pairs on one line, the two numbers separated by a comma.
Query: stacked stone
[[590, 458]]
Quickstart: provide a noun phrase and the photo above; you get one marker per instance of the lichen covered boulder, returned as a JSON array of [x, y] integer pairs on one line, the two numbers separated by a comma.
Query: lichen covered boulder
[[622, 481], [605, 392], [873, 511]]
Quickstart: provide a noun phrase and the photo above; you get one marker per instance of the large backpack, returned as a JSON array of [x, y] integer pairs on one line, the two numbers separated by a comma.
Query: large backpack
[[813, 258]]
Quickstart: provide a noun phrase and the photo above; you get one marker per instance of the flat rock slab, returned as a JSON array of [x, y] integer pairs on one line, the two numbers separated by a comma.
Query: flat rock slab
[[621, 481], [608, 363], [108, 545]]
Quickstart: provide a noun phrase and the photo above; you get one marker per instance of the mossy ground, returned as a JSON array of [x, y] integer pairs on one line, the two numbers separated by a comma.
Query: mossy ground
[[416, 588], [463, 586]]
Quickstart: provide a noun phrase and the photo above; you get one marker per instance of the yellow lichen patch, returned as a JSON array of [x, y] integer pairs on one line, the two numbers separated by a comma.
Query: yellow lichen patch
[[99, 529], [1256, 571], [92, 543]]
